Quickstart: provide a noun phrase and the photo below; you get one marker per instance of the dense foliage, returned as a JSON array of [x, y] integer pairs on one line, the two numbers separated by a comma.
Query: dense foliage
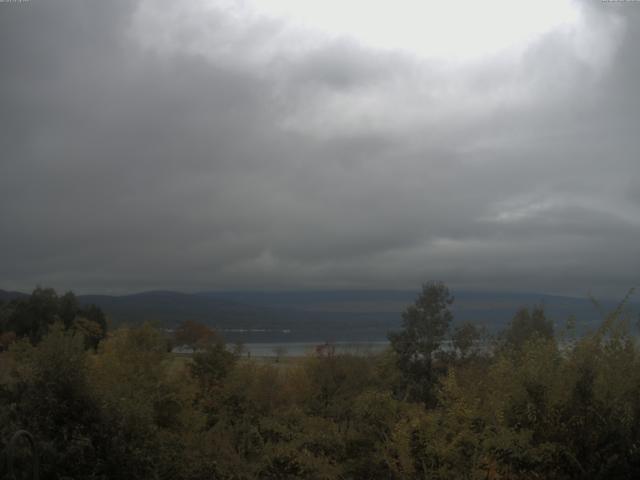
[[441, 403]]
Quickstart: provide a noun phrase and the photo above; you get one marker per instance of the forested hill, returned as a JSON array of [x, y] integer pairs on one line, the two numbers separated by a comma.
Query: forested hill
[[348, 315]]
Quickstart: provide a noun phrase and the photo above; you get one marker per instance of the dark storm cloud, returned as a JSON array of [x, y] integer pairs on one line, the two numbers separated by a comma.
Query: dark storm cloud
[[153, 145]]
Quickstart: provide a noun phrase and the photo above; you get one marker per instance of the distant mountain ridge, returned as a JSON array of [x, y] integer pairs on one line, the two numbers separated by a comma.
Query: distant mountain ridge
[[323, 315], [6, 296]]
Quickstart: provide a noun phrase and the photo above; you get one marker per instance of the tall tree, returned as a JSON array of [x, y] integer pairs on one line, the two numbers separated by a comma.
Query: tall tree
[[465, 340], [425, 326], [526, 325]]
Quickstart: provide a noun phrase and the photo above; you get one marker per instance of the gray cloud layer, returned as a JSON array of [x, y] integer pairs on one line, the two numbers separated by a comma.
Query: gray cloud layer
[[156, 145]]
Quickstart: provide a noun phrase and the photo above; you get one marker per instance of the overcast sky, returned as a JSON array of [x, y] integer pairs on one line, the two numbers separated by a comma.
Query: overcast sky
[[203, 144]]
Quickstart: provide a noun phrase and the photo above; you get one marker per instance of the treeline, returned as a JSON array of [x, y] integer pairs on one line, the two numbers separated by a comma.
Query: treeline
[[31, 318], [441, 403]]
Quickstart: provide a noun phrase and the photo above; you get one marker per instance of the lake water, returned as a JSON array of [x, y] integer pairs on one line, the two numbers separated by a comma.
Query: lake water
[[299, 349]]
